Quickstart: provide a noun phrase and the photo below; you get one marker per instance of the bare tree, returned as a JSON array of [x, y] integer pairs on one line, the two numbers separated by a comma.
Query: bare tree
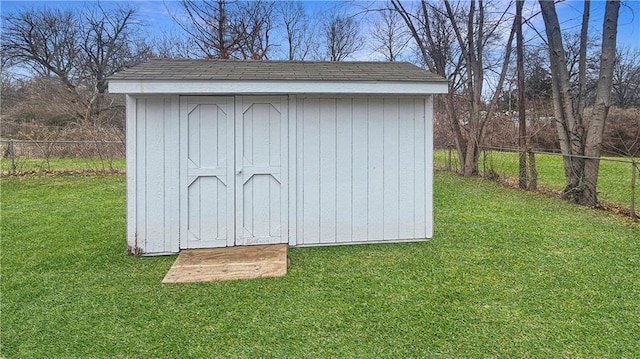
[[430, 31], [595, 132], [299, 31], [75, 50], [342, 37], [472, 43], [389, 35], [210, 27], [109, 45], [578, 139], [452, 42], [255, 27], [171, 45], [626, 78], [429, 28], [522, 121], [47, 41], [223, 29]]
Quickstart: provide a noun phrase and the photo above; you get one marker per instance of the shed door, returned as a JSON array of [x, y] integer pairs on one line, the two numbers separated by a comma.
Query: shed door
[[234, 191], [207, 171], [261, 161]]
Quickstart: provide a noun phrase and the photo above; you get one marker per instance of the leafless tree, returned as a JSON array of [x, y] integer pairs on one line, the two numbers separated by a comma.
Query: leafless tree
[[578, 139], [299, 30], [210, 27], [255, 27], [522, 120], [227, 29], [109, 45], [341, 37], [626, 78], [77, 51], [171, 45], [47, 41], [389, 35], [452, 40]]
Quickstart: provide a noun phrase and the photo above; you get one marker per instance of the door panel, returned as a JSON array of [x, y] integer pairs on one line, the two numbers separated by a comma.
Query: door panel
[[261, 188], [207, 191], [233, 186]]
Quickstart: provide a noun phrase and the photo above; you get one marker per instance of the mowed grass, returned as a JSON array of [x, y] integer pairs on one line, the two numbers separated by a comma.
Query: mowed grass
[[508, 274], [614, 178]]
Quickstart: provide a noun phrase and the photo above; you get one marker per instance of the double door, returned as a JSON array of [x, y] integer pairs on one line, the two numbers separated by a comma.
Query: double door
[[233, 171]]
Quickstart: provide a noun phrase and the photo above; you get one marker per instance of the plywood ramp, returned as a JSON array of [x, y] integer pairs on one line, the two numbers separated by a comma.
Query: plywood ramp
[[216, 264]]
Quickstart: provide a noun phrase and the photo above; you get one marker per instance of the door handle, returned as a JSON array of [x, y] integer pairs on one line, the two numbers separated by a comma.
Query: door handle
[[239, 171]]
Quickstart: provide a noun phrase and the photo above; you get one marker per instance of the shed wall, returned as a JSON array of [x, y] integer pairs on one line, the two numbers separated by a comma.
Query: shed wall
[[359, 170], [153, 175], [364, 168]]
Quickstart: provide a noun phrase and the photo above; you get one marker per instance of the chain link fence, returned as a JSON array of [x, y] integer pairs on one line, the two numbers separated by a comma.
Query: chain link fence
[[617, 180], [21, 156]]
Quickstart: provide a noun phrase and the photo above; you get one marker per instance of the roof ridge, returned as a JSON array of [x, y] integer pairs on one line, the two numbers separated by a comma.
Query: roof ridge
[[281, 61]]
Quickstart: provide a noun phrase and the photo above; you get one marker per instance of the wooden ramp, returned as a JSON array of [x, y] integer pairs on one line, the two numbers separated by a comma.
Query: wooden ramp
[[215, 264]]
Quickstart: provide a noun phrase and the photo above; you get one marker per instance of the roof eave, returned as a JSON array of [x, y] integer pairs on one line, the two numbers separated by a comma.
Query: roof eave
[[210, 87]]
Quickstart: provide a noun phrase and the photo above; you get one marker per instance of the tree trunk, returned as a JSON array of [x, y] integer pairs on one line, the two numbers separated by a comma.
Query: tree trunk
[[471, 159], [569, 126], [461, 143], [576, 142], [593, 144], [522, 120]]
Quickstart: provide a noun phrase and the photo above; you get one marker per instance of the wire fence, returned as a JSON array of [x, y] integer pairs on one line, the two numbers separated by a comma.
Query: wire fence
[[21, 156], [617, 178]]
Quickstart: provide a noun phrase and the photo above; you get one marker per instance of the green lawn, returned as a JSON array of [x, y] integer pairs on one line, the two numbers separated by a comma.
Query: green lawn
[[509, 274], [614, 178]]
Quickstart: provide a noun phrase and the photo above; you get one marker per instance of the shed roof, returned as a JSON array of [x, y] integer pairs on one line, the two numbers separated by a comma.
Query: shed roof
[[168, 69], [224, 76]]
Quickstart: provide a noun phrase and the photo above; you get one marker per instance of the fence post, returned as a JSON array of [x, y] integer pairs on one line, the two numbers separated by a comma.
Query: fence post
[[533, 183], [634, 166], [484, 160], [12, 155]]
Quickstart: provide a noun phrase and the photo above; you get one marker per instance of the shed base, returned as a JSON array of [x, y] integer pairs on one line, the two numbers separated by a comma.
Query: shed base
[[229, 263]]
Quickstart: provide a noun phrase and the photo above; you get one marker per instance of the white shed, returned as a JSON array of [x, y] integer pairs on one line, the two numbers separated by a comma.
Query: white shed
[[227, 153]]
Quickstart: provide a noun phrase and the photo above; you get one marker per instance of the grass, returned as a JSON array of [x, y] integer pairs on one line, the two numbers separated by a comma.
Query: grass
[[614, 178], [63, 164], [509, 274]]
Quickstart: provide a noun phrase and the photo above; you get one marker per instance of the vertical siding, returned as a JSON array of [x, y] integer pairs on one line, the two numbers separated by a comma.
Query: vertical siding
[[375, 168], [420, 163], [359, 182], [155, 114], [141, 174], [344, 170], [428, 134], [291, 132], [172, 175], [156, 165], [132, 203], [391, 168], [361, 169], [309, 222], [406, 171], [328, 161]]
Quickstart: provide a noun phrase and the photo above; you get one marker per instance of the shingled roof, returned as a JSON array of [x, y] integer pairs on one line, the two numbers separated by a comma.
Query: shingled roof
[[234, 70]]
